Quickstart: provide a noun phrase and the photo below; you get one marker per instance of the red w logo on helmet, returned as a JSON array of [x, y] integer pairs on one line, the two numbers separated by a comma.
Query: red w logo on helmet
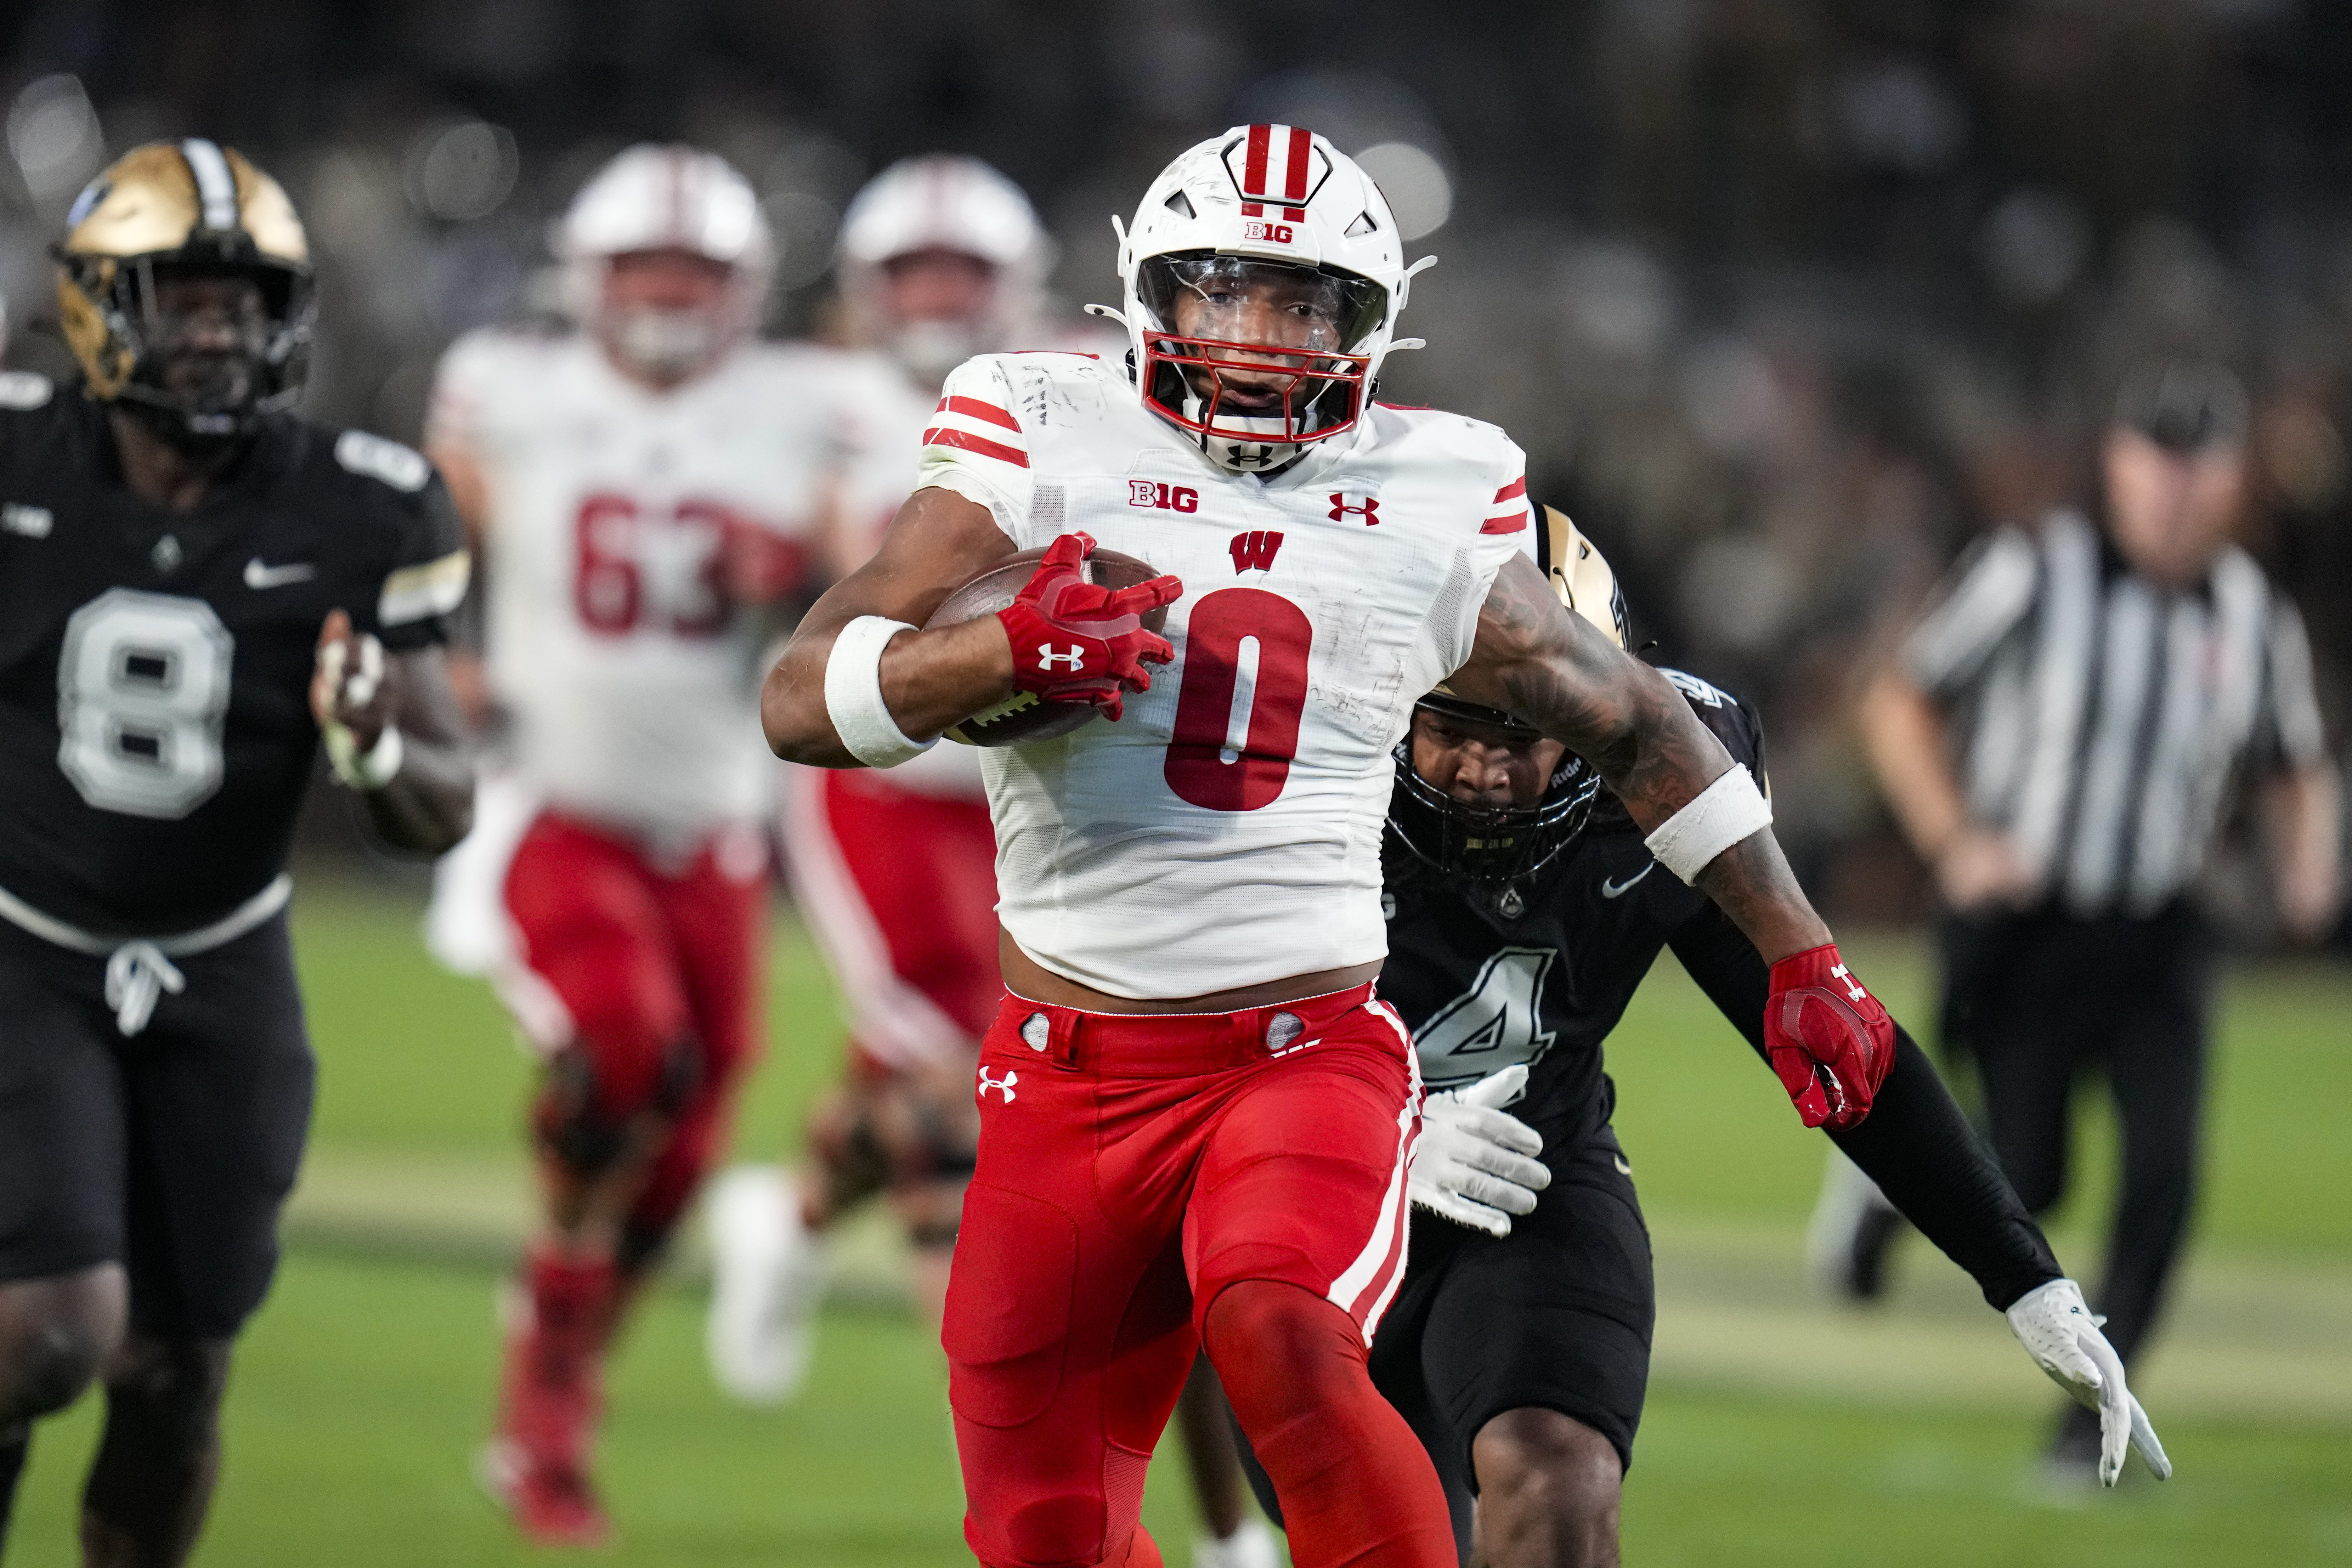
[[1276, 165]]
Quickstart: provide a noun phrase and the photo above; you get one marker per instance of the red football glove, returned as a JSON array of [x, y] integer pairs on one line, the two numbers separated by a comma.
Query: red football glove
[[1827, 1038], [1075, 641]]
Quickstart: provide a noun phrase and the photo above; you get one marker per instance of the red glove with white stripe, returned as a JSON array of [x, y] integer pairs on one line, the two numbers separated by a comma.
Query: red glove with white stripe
[[1827, 1036], [1075, 641]]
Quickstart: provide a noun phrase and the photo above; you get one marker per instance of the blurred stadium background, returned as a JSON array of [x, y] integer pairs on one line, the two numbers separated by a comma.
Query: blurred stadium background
[[1786, 300]]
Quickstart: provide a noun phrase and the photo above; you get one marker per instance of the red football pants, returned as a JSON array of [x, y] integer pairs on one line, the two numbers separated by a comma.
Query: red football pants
[[899, 890], [660, 972], [1133, 1167]]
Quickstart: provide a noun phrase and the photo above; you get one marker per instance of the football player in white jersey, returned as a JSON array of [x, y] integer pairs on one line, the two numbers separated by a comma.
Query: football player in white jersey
[[1194, 1116], [646, 490], [941, 257]]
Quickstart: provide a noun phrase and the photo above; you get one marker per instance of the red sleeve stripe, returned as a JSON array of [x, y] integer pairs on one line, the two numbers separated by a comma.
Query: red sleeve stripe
[[974, 407], [964, 440], [1511, 524], [1513, 491]]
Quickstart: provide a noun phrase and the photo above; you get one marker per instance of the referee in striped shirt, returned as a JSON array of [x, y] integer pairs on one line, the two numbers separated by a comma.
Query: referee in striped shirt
[[2060, 739]]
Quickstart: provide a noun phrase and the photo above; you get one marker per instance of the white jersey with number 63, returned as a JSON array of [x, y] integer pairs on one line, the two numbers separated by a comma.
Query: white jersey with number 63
[[1227, 830], [612, 640]]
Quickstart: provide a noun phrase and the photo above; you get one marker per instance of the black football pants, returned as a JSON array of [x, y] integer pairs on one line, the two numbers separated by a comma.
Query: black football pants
[[2039, 1001]]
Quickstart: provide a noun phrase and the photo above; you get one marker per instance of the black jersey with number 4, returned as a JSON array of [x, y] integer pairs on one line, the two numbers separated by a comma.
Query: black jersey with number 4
[[1541, 974], [155, 730]]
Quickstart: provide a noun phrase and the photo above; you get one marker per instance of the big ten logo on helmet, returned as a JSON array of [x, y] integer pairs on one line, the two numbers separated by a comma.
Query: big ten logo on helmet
[[1162, 497], [1278, 232]]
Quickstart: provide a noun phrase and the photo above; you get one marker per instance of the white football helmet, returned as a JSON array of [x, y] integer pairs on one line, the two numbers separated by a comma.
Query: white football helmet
[[943, 202], [672, 197], [1260, 206]]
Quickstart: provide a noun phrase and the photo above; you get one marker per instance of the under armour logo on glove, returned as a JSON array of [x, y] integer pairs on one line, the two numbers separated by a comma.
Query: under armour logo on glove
[[1101, 627], [1002, 1085], [1827, 1036]]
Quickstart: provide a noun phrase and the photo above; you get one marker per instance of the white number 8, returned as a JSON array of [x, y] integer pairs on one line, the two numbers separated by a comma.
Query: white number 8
[[142, 694]]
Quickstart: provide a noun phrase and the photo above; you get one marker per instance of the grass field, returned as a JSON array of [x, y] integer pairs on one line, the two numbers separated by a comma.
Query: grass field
[[1777, 1431]]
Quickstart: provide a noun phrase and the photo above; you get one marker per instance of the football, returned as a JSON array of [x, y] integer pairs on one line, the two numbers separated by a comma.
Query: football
[[1028, 717]]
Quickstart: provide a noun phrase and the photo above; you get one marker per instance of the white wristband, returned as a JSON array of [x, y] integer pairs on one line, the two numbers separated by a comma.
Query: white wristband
[[363, 771], [1724, 811], [853, 694]]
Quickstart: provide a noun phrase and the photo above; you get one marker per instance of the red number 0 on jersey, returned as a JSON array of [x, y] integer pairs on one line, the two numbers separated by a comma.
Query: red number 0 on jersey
[[1236, 756]]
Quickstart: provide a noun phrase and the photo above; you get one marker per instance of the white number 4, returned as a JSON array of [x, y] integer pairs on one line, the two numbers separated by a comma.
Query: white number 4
[[1495, 1023], [142, 695]]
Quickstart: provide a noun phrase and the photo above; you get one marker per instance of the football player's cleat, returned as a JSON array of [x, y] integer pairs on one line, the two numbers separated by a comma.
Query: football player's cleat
[[1260, 206], [551, 1505], [551, 1397], [668, 198], [193, 207], [1250, 1546], [1854, 1228], [2058, 1331], [768, 1275]]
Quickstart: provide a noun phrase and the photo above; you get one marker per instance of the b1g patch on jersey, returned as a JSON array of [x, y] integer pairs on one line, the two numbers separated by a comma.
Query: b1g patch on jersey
[[373, 457], [1496, 1022]]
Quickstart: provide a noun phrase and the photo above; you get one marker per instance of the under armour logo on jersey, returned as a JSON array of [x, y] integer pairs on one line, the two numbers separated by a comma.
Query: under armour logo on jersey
[[1046, 657], [1369, 511], [1852, 987], [1003, 1085], [1253, 551], [1276, 165]]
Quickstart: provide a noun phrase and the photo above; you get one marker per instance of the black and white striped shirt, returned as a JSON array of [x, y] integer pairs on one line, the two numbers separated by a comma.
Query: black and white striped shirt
[[2100, 720]]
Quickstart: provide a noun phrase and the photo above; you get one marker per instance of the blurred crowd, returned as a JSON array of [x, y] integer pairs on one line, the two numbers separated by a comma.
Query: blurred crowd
[[1786, 298]]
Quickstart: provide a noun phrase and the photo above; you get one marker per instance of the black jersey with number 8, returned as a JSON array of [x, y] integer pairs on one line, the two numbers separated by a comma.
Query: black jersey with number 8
[[155, 732]]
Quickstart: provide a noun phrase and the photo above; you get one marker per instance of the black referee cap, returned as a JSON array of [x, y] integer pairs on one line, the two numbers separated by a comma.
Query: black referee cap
[[2184, 405]]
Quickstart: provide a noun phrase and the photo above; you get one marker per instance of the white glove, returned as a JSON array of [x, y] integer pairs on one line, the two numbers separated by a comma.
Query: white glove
[[1473, 1161], [2057, 1330]]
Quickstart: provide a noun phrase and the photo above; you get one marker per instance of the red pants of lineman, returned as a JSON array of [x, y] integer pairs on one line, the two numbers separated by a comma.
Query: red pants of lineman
[[659, 971], [899, 887], [1131, 1169]]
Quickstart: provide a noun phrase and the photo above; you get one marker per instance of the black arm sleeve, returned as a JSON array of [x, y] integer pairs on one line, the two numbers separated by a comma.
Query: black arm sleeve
[[1915, 1144]]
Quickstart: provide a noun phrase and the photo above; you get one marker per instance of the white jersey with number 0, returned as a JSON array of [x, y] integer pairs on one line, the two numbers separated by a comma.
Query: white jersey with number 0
[[612, 642], [1227, 830]]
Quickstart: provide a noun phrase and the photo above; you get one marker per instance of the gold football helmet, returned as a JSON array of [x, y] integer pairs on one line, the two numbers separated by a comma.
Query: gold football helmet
[[193, 207]]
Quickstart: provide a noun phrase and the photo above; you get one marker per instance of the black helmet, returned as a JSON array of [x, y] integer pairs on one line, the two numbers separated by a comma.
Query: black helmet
[[1494, 846]]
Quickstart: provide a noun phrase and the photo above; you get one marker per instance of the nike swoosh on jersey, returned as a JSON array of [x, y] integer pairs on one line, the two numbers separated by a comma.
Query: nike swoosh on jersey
[[258, 576], [1610, 889]]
